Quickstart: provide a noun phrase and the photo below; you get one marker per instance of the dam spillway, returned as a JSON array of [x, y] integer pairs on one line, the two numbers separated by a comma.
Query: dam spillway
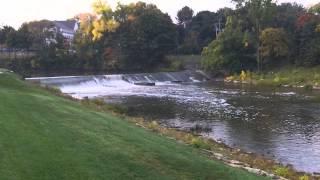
[[143, 78], [101, 85]]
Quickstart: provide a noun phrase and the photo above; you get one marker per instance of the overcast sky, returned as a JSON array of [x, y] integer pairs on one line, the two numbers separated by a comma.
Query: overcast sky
[[15, 12]]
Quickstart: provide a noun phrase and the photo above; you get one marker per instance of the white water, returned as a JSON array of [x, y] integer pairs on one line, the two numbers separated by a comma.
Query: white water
[[108, 85]]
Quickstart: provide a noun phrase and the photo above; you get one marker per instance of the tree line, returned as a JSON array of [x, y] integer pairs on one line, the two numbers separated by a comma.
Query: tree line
[[256, 35], [261, 35]]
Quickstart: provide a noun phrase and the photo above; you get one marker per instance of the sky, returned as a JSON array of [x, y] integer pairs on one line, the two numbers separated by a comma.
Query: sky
[[15, 12]]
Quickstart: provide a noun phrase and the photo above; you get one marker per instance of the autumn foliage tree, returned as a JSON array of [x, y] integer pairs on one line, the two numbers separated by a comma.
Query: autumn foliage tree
[[105, 21]]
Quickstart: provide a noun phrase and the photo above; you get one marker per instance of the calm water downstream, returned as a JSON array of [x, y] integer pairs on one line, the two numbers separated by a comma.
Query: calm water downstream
[[282, 124]]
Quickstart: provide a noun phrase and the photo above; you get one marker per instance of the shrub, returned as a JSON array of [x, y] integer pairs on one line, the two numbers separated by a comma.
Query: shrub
[[305, 177], [308, 87], [243, 75], [153, 125], [199, 143], [98, 102], [282, 171]]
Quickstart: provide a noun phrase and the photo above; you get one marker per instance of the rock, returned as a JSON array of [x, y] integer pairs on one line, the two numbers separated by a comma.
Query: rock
[[235, 166], [235, 162], [218, 155]]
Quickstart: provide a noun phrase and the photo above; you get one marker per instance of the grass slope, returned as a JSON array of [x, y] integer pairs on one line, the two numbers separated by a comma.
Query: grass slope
[[47, 137]]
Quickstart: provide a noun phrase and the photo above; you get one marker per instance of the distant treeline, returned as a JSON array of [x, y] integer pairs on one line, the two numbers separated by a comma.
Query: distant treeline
[[261, 35], [257, 35]]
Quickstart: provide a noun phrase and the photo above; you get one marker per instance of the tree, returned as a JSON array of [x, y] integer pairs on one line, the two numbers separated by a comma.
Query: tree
[[24, 38], [259, 12], [11, 39], [307, 39], [145, 38], [184, 16], [40, 32], [201, 30], [86, 23], [315, 9], [286, 16], [274, 45], [105, 22], [230, 52], [4, 32]]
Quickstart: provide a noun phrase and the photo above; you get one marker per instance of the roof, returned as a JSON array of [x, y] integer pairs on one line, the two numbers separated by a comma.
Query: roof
[[65, 25]]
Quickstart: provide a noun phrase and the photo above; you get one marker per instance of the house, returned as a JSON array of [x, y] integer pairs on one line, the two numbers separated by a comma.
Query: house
[[67, 29]]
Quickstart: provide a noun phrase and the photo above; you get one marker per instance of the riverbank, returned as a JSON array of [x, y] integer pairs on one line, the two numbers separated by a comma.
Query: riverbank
[[308, 78], [49, 137]]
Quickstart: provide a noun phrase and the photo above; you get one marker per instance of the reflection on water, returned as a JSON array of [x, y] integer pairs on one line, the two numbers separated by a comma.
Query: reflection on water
[[281, 124]]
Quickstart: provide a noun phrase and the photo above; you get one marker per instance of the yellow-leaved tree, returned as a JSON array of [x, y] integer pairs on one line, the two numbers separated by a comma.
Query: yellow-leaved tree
[[105, 21]]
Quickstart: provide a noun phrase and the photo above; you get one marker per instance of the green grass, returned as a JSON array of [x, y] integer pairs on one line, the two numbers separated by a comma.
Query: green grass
[[43, 136]]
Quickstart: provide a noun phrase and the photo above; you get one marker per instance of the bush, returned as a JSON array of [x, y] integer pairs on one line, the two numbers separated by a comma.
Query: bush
[[153, 125], [305, 177], [98, 102], [282, 171], [199, 143], [308, 87]]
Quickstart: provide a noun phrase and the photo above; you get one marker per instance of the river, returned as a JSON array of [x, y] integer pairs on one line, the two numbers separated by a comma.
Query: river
[[282, 124]]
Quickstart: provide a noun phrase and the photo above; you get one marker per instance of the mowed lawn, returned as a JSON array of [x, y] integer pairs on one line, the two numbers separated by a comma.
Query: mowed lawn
[[47, 137]]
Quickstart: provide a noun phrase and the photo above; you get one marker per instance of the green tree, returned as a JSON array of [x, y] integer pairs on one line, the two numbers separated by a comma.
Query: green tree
[[12, 39], [259, 13], [230, 52], [4, 32], [40, 32], [307, 39], [145, 37], [201, 30], [24, 38], [274, 45], [184, 16]]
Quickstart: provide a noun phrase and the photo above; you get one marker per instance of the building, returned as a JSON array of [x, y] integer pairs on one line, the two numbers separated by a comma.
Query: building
[[67, 29]]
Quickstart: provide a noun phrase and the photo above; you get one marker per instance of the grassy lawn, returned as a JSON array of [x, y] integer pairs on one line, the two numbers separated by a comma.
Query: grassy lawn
[[47, 137]]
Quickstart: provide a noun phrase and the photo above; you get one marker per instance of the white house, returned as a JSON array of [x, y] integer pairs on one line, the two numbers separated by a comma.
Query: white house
[[67, 28]]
